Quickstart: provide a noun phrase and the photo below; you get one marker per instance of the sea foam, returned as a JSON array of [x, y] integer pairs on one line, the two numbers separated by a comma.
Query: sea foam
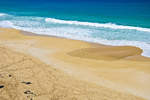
[[106, 25], [2, 14], [6, 24]]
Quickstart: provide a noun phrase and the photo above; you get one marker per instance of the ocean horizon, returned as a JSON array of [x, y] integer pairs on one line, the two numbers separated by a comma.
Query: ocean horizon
[[125, 23]]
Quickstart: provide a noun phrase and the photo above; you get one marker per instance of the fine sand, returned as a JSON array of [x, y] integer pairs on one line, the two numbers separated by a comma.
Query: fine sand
[[36, 67]]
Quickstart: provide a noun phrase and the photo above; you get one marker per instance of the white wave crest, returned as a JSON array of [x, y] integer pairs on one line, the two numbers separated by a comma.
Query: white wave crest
[[2, 14], [106, 25]]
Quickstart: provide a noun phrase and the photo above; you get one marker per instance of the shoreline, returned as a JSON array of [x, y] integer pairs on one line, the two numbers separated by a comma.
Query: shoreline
[[103, 44], [120, 68], [94, 43]]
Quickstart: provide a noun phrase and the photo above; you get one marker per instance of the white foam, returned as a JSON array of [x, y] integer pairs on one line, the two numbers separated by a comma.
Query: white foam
[[2, 14], [106, 25], [6, 24]]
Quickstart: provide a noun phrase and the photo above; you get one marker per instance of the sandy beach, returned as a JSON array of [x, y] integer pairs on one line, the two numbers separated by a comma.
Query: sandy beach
[[36, 67]]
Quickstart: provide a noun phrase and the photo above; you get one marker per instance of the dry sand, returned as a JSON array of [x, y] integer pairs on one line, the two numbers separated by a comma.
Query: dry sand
[[49, 68]]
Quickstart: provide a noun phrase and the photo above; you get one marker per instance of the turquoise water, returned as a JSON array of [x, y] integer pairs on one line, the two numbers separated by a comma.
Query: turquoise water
[[112, 22]]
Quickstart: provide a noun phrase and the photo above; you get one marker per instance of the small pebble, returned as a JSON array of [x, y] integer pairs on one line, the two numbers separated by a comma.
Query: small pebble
[[27, 83], [1, 86], [28, 92]]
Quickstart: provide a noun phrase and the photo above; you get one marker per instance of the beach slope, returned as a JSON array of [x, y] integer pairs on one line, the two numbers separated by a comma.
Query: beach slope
[[52, 68]]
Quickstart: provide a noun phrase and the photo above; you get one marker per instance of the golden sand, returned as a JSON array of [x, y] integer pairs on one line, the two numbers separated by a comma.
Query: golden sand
[[50, 68]]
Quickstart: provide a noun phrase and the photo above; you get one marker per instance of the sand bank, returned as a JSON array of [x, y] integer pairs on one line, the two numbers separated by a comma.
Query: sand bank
[[64, 69]]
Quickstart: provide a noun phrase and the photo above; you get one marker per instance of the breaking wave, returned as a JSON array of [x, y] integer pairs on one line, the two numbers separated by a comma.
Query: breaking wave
[[106, 25]]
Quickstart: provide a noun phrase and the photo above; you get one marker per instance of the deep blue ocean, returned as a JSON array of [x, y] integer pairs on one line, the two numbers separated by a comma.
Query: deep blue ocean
[[111, 22]]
